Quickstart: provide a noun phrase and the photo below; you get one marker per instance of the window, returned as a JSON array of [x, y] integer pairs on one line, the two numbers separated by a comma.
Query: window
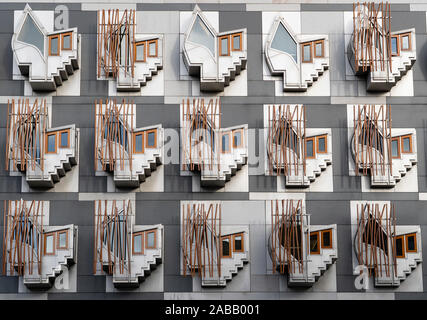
[[400, 248], [309, 148], [406, 144], [284, 42], [31, 34], [411, 242], [225, 142], [237, 41], [49, 243], [238, 138], [224, 46], [319, 50], [64, 138], [51, 143], [66, 41], [138, 243], [306, 52], [326, 239], [151, 139], [54, 45], [405, 42], [225, 247], [322, 144], [140, 52], [138, 142], [395, 50], [150, 239], [314, 243], [201, 35], [62, 239], [152, 48], [395, 148], [238, 242]]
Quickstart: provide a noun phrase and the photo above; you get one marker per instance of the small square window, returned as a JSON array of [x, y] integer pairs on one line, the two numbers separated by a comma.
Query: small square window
[[237, 42], [306, 52], [150, 239], [405, 42], [407, 144], [54, 45], [49, 244], [309, 148], [138, 243], [411, 243], [225, 247], [140, 52], [238, 242], [395, 148], [319, 49], [63, 239], [66, 41], [64, 139], [314, 243], [152, 48], [224, 43], [151, 139], [400, 249], [51, 143], [225, 142], [138, 142], [321, 143]]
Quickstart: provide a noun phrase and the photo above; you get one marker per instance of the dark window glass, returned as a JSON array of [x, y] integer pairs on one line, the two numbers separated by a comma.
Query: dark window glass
[[399, 247], [225, 247], [326, 239], [314, 242], [309, 148], [411, 243], [238, 243]]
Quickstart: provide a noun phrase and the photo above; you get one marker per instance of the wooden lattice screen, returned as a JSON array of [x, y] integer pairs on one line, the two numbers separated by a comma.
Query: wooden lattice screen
[[201, 239], [287, 232], [22, 237], [113, 134], [116, 39], [201, 123], [26, 128], [113, 232], [372, 36], [376, 227], [286, 131], [372, 140]]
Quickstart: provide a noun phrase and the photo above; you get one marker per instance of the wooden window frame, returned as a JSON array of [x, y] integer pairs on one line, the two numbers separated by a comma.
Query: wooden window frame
[[314, 147], [415, 242], [45, 235], [134, 142], [59, 45], [397, 46], [148, 48], [71, 40], [311, 52], [147, 132], [66, 240], [220, 45], [318, 242], [142, 234], [55, 133], [239, 34], [231, 246], [410, 143], [145, 50], [409, 41], [326, 143], [228, 133], [241, 140], [403, 246], [399, 142], [322, 232], [243, 242], [323, 48], [147, 232], [59, 138]]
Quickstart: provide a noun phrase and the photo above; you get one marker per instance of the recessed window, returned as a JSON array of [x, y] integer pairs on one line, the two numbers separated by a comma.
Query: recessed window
[[395, 148], [150, 239], [138, 243], [51, 143], [400, 249], [309, 147], [152, 48], [411, 243], [319, 49], [237, 41], [238, 242], [405, 42], [407, 144], [224, 46], [326, 239], [140, 52], [314, 243], [321, 143], [225, 247], [225, 142], [138, 142], [395, 45], [306, 53], [54, 45], [64, 139], [151, 139], [49, 244], [66, 41], [237, 138], [283, 41], [63, 239]]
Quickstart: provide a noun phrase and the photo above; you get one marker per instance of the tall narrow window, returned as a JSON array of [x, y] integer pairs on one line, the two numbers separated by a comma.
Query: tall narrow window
[[309, 148], [237, 138], [411, 243], [225, 142], [63, 239], [49, 244], [319, 51], [407, 144], [150, 239], [326, 239], [306, 52], [51, 143], [237, 41], [314, 243], [64, 139], [395, 45], [140, 52], [54, 45], [225, 247], [395, 148], [138, 243], [400, 248], [138, 142], [224, 46], [238, 242], [152, 48], [321, 144], [405, 42], [151, 139], [66, 43]]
